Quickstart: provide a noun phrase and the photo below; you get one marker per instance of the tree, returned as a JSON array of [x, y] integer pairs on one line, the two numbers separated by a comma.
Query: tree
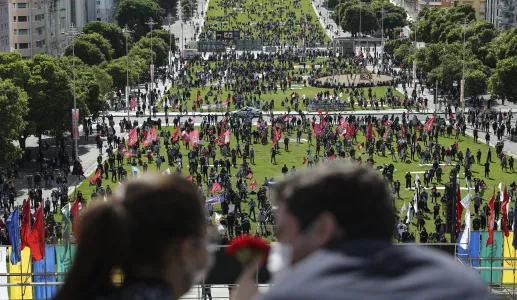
[[355, 18], [13, 109], [117, 70], [403, 53], [86, 52], [13, 67], [502, 83], [391, 45], [111, 32], [135, 13], [476, 83], [50, 97], [394, 16], [164, 36], [160, 50]]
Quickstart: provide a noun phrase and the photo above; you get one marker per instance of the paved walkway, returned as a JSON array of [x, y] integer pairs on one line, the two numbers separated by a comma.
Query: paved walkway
[[191, 27], [325, 18]]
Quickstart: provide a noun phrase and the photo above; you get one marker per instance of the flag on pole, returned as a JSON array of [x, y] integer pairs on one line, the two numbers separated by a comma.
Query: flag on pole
[[37, 236], [132, 137], [505, 212], [95, 177], [13, 228], [26, 224], [304, 161], [342, 128], [459, 209], [220, 227], [465, 238], [194, 138], [402, 209], [216, 187], [415, 201], [74, 211], [176, 135], [428, 126], [167, 172], [253, 185], [490, 239], [66, 229], [317, 130]]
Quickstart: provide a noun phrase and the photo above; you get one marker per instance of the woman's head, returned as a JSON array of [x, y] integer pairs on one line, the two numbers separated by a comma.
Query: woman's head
[[154, 227]]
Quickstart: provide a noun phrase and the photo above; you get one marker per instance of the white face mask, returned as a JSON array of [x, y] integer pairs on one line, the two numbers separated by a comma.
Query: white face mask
[[279, 260], [198, 275]]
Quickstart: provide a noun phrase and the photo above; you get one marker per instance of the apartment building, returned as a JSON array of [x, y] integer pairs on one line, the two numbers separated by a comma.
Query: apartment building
[[39, 26], [105, 10], [4, 26], [505, 14]]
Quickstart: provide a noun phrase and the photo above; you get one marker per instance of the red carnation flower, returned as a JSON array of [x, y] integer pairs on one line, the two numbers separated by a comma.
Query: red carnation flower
[[246, 248]]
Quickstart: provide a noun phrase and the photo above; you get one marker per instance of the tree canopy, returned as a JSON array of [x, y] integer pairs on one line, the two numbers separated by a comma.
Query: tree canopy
[[13, 109], [135, 13]]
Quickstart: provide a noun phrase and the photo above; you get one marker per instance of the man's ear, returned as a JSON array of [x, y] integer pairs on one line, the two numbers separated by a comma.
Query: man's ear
[[326, 229]]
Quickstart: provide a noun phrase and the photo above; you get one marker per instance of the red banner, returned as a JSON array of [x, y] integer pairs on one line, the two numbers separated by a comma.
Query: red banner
[[75, 123], [132, 137], [490, 239], [505, 212], [194, 138], [428, 126], [176, 135], [216, 187], [94, 178], [317, 130]]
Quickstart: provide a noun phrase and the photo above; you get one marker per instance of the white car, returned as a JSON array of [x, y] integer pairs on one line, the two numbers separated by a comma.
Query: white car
[[246, 112]]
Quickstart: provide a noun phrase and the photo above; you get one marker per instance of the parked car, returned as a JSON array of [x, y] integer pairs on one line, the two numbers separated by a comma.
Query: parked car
[[246, 112]]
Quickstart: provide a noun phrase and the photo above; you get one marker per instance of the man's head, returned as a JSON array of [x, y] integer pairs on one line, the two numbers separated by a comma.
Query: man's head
[[332, 203]]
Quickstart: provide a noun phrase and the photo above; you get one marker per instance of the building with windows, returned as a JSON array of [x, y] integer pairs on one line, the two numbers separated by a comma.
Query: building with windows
[[502, 13], [105, 10], [4, 26], [39, 26], [478, 5]]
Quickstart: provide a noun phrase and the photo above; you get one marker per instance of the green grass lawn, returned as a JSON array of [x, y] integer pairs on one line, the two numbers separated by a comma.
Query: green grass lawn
[[247, 14], [294, 157]]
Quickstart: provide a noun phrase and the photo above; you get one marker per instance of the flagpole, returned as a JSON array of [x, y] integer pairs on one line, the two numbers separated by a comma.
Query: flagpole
[[44, 258]]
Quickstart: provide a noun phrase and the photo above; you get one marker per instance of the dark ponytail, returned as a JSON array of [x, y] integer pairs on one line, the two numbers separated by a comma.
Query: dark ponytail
[[104, 242]]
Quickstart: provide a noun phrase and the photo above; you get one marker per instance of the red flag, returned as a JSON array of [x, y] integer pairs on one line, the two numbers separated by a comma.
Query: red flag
[[224, 139], [323, 122], [286, 119], [304, 161], [189, 178], [332, 157], [74, 211], [505, 212], [250, 175], [428, 126], [94, 178], [278, 135], [153, 134], [402, 132], [185, 136], [253, 185], [176, 135], [320, 111], [37, 236], [216, 187], [369, 132], [386, 122], [132, 137], [350, 131], [342, 128], [194, 138], [26, 224], [490, 239], [148, 138], [126, 153], [317, 130], [417, 126], [360, 146], [459, 209]]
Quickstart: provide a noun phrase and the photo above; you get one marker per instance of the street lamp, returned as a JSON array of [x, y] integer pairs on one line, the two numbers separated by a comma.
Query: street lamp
[[360, 17], [462, 84], [151, 24], [414, 58], [382, 29], [73, 33], [126, 32], [169, 18]]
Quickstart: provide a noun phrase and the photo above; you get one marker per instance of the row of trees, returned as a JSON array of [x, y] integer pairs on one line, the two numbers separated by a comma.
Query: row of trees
[[487, 58], [36, 95], [358, 16]]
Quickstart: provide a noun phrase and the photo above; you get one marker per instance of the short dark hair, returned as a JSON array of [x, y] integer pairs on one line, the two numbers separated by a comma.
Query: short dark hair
[[358, 198]]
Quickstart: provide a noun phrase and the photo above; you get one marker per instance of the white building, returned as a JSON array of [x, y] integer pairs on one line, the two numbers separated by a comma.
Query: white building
[[5, 44], [502, 13], [105, 10]]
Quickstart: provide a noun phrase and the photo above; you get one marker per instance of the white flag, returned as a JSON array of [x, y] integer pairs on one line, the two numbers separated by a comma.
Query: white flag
[[402, 210], [465, 238], [167, 172], [220, 227], [415, 201], [466, 201]]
